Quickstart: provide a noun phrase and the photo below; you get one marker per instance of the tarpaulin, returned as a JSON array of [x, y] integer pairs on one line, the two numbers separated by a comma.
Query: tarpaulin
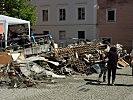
[[1, 28]]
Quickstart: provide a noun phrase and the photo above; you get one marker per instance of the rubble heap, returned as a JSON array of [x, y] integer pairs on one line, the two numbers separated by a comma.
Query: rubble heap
[[17, 70]]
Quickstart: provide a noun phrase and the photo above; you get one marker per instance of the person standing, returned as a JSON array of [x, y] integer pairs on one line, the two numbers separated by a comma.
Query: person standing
[[33, 37], [112, 64], [103, 67]]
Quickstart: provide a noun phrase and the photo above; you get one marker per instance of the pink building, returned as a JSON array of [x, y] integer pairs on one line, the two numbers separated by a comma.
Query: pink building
[[115, 21]]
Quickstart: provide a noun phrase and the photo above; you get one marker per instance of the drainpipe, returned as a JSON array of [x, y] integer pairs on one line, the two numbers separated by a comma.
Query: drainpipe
[[97, 15]]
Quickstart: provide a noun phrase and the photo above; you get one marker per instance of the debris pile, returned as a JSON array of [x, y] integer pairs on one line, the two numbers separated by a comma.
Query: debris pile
[[80, 56], [18, 70]]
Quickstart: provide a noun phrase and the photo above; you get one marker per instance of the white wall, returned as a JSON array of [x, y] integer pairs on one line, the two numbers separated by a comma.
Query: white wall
[[72, 25]]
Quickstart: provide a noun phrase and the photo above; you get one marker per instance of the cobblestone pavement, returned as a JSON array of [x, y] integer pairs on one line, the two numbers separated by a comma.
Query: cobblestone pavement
[[78, 87]]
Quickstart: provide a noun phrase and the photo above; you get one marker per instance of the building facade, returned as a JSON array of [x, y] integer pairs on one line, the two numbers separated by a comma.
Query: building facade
[[67, 20], [115, 22]]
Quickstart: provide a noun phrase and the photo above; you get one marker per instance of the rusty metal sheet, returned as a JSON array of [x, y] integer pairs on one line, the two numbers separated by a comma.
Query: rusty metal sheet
[[5, 58]]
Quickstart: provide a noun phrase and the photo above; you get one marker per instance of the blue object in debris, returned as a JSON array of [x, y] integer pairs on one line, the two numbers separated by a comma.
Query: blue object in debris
[[33, 37]]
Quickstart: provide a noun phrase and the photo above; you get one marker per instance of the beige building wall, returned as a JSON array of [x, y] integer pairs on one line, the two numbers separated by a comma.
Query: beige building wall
[[71, 25], [71, 30]]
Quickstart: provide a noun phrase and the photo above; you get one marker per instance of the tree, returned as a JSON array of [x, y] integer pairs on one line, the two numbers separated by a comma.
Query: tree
[[1, 6], [20, 9]]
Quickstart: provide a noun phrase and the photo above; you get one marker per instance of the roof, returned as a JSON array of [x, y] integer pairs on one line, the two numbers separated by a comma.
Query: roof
[[12, 20]]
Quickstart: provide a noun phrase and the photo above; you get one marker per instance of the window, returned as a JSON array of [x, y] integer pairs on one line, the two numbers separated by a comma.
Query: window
[[62, 14], [62, 35], [81, 34], [81, 13], [111, 15], [45, 15], [45, 32]]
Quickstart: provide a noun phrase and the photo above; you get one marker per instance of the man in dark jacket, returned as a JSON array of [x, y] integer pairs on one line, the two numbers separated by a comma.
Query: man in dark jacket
[[112, 64]]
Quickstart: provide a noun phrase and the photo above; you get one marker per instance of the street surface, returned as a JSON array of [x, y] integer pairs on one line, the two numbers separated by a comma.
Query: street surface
[[77, 87]]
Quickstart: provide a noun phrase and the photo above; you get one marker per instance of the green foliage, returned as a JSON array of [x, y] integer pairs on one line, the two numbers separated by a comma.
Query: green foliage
[[20, 9]]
